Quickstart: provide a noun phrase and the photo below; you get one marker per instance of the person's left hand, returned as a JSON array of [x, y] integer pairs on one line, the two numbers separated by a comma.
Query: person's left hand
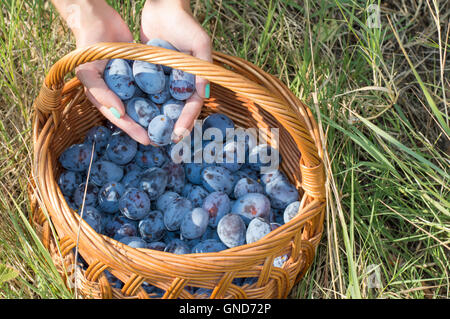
[[172, 20]]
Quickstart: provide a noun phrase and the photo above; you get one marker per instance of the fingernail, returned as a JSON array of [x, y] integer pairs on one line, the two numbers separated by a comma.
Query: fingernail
[[178, 134], [115, 112], [207, 91]]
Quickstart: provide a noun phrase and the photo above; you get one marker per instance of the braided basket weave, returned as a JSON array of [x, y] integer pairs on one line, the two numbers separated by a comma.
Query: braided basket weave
[[249, 96]]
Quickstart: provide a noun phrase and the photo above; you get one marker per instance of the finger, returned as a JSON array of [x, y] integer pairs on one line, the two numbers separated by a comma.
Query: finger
[[92, 80], [201, 48], [185, 122], [109, 104]]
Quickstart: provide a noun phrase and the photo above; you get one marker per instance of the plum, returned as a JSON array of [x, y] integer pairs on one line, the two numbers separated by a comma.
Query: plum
[[142, 110], [208, 246], [194, 223], [217, 204], [281, 193], [175, 211], [172, 109], [291, 211], [153, 181], [91, 195], [257, 229], [118, 77], [68, 182], [148, 76], [218, 121], [217, 179], [103, 172], [109, 195], [231, 230], [252, 205], [121, 148], [160, 130], [247, 185], [93, 217], [134, 204], [177, 246], [77, 157], [152, 227], [182, 84]]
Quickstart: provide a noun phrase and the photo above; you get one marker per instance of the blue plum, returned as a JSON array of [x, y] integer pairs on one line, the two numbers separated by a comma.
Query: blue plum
[[134, 204], [231, 230], [257, 229], [103, 172], [281, 193], [182, 84], [160, 130], [208, 246], [131, 179], [247, 185], [217, 179], [157, 245], [172, 109], [252, 205], [165, 199], [194, 223], [109, 195], [149, 77], [152, 157], [217, 204], [175, 211], [233, 156], [175, 176], [164, 95], [100, 135], [196, 195], [119, 226], [68, 182], [194, 172], [187, 188], [177, 246], [133, 242], [291, 211], [152, 227], [118, 76], [77, 157], [218, 121], [271, 176], [121, 148], [93, 217], [154, 182], [91, 195], [142, 110]]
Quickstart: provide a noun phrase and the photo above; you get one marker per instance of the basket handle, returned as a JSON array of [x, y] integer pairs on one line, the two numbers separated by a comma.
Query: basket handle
[[49, 99]]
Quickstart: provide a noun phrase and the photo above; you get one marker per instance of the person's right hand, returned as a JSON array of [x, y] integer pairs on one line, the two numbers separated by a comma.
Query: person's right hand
[[101, 23]]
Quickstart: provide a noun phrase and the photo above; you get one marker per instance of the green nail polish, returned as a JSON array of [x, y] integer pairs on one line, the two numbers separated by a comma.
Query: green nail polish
[[207, 88], [115, 113]]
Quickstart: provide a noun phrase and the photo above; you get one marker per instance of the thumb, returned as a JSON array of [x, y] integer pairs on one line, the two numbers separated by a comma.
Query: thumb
[[201, 48], [98, 92]]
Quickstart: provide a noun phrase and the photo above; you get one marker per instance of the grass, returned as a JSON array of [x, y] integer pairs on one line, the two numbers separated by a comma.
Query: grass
[[380, 95]]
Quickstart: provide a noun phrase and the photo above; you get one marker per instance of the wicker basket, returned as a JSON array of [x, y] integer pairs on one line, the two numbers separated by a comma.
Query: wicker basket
[[252, 98]]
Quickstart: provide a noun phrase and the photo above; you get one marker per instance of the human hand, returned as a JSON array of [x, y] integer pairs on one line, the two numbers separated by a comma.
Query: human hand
[[98, 22], [172, 20]]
